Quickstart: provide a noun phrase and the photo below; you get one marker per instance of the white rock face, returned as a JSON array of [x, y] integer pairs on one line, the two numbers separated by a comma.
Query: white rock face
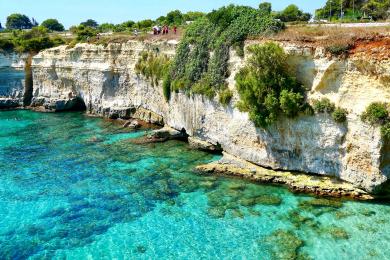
[[104, 77], [13, 60]]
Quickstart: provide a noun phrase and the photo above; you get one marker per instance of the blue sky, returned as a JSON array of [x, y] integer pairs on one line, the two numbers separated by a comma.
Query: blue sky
[[71, 12]]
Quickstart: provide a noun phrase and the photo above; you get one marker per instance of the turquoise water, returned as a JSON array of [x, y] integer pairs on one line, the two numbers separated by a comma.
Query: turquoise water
[[73, 187]]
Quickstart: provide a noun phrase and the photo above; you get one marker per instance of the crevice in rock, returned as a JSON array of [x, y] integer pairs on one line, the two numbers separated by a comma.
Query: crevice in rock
[[28, 86]]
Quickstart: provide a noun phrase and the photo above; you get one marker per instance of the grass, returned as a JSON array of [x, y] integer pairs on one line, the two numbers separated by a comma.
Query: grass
[[336, 40]]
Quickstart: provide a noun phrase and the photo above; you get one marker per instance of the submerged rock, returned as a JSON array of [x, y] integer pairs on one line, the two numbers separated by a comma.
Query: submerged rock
[[298, 182], [284, 244], [58, 105], [196, 143], [134, 124]]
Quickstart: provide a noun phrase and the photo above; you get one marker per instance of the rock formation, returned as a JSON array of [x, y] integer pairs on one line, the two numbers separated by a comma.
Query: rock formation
[[103, 77]]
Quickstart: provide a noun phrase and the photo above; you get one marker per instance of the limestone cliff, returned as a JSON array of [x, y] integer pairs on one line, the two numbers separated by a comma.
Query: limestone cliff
[[104, 78], [12, 59], [12, 82]]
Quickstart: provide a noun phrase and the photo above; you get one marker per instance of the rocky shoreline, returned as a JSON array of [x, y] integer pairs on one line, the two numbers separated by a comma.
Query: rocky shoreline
[[323, 186], [228, 165]]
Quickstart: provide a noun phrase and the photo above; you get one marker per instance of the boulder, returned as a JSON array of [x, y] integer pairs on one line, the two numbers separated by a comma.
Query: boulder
[[198, 144], [7, 103], [134, 124]]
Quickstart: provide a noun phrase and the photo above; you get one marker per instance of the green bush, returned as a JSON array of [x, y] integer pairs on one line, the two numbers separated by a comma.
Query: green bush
[[376, 114], [338, 49], [215, 33], [53, 25], [290, 102], [323, 106], [6, 45], [167, 87], [35, 40], [153, 66], [84, 33], [266, 87], [225, 96], [385, 131], [340, 115], [292, 13]]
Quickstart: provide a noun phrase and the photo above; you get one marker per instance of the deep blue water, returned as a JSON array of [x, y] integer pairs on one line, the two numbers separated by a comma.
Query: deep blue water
[[75, 187]]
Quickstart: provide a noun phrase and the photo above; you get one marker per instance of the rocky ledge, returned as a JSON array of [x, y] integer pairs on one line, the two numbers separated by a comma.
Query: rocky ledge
[[297, 182], [9, 103]]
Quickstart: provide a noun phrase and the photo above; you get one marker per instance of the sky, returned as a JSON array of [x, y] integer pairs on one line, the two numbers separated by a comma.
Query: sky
[[72, 12]]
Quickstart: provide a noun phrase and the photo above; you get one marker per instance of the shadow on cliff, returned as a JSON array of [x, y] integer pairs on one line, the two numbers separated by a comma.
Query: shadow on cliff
[[291, 144]]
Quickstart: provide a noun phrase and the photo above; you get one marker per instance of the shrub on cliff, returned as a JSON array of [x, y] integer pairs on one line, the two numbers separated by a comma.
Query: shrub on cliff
[[83, 33], [340, 115], [376, 114], [6, 45], [194, 70], [385, 131], [167, 87], [225, 96], [35, 40], [266, 86], [153, 66], [323, 106]]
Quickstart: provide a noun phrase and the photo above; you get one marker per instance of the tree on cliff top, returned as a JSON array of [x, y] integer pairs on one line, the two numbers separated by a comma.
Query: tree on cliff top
[[90, 23], [292, 13], [53, 25], [34, 40], [377, 9], [265, 8], [18, 21], [193, 69]]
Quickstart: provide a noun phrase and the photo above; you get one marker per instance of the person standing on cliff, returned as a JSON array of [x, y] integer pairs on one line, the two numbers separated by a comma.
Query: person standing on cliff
[[175, 29]]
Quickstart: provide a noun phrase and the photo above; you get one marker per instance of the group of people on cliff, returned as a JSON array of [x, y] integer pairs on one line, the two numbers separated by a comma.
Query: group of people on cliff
[[157, 30]]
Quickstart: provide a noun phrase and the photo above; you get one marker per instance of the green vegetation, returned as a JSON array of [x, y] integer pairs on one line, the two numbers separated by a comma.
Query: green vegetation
[[293, 14], [194, 70], [376, 114], [267, 87], [265, 8], [18, 21], [90, 23], [167, 87], [53, 25], [358, 9], [225, 97], [83, 33], [323, 106], [339, 115], [338, 48], [153, 66], [172, 18], [31, 41], [385, 131]]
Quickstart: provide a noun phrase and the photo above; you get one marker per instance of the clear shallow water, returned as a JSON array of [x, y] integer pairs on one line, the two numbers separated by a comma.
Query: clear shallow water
[[75, 187]]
